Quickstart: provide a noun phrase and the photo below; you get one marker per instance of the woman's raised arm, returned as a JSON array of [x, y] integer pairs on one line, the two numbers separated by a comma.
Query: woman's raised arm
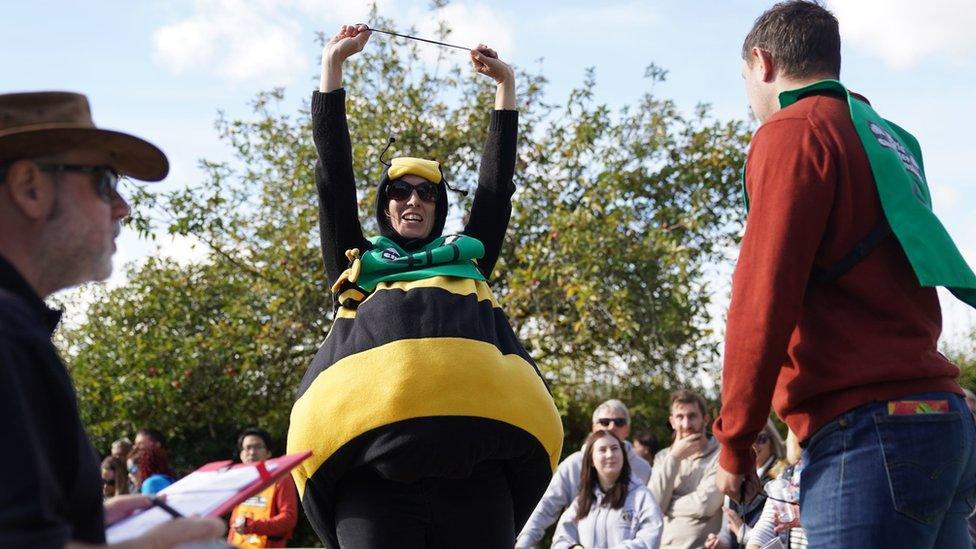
[[492, 206], [339, 227]]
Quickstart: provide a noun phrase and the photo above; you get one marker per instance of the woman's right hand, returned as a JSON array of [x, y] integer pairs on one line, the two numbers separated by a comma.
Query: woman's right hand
[[350, 40]]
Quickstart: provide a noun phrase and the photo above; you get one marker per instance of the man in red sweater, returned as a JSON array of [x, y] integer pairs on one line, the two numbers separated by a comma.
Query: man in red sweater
[[268, 518], [828, 320]]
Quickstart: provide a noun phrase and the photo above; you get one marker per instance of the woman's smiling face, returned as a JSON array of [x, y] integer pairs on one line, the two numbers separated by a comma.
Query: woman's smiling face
[[411, 217], [607, 458]]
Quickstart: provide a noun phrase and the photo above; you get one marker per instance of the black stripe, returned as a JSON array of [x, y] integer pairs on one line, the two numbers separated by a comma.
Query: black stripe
[[392, 315], [430, 257], [457, 252], [438, 447], [875, 238]]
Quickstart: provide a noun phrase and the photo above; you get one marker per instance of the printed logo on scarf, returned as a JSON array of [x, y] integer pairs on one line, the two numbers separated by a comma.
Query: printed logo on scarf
[[886, 140]]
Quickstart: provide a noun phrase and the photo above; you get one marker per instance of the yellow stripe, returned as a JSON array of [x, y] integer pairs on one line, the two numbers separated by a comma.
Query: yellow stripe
[[455, 285], [459, 286], [419, 378]]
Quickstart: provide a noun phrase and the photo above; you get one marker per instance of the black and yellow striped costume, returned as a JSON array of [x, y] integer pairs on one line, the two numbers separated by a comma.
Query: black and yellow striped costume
[[417, 378]]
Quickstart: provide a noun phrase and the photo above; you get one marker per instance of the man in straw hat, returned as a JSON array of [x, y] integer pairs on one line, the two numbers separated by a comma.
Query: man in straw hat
[[60, 212]]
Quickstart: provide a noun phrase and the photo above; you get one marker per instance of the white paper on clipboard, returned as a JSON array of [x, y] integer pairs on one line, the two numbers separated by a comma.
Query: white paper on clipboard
[[198, 493]]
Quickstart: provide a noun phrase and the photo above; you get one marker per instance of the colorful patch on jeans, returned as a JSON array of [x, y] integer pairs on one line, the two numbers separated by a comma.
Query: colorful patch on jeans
[[913, 407]]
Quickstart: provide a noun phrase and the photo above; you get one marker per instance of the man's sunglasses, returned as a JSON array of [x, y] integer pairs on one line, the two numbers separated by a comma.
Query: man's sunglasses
[[606, 421], [400, 190], [106, 178], [108, 481], [762, 438]]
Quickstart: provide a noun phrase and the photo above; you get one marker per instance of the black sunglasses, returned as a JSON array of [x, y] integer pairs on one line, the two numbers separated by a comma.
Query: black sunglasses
[[106, 178], [400, 190], [108, 481], [606, 421], [762, 438]]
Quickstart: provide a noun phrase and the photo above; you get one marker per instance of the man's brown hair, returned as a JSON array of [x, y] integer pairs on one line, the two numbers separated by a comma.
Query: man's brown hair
[[684, 396], [801, 36]]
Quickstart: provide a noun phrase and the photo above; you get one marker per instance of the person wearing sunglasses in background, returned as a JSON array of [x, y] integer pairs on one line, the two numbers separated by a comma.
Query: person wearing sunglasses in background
[[683, 481], [115, 480], [770, 453], [780, 517], [428, 421], [612, 416], [60, 212]]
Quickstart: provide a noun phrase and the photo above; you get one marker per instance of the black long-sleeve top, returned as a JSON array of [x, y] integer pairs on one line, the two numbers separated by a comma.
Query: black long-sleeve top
[[339, 225], [50, 492]]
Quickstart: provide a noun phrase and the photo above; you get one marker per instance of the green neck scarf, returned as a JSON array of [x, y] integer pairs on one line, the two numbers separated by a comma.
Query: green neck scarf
[[452, 255], [896, 162]]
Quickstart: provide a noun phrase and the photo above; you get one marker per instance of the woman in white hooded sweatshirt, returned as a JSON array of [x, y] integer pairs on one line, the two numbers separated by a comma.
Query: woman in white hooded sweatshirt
[[612, 509]]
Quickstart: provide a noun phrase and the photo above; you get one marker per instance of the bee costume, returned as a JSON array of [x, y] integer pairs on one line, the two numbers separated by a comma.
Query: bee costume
[[421, 386]]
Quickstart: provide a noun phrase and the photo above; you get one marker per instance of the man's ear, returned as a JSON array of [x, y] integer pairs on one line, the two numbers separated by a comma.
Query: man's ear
[[763, 61], [29, 189]]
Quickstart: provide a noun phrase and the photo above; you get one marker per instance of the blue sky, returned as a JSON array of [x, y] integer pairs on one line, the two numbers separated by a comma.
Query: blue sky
[[162, 70]]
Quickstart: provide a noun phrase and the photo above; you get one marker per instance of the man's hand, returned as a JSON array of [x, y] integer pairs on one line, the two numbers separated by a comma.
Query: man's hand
[[731, 485], [177, 531], [165, 535], [485, 60], [119, 507], [350, 40], [689, 446]]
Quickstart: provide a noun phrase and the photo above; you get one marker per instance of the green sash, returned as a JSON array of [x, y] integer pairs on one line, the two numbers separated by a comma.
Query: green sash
[[896, 162], [452, 255]]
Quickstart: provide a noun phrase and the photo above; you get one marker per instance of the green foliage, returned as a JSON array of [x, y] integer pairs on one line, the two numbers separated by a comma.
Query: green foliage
[[963, 354], [603, 272]]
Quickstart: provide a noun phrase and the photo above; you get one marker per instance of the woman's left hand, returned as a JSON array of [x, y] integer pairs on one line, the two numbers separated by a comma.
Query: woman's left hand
[[735, 521], [485, 60], [784, 526]]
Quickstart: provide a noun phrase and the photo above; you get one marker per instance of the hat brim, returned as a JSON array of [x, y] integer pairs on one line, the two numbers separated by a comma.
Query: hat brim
[[131, 156]]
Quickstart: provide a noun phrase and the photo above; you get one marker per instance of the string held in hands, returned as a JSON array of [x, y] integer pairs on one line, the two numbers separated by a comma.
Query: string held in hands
[[391, 33]]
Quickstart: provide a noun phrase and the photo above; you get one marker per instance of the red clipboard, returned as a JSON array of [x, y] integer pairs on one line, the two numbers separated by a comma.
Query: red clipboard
[[210, 491], [265, 478]]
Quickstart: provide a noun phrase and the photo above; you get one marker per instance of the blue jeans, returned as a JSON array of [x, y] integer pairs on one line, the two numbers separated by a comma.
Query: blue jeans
[[877, 480]]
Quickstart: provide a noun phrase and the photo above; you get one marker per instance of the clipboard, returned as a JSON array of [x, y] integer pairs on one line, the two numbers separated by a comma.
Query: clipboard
[[210, 491]]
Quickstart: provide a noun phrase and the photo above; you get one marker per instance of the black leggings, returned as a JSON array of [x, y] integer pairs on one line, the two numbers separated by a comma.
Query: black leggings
[[476, 512]]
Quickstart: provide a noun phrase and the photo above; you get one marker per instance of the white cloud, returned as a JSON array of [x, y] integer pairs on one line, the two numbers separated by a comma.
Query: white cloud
[[238, 40], [903, 32], [346, 11], [267, 41], [470, 24]]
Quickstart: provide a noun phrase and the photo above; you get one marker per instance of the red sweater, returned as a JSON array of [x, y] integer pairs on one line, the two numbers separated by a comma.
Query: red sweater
[[815, 353]]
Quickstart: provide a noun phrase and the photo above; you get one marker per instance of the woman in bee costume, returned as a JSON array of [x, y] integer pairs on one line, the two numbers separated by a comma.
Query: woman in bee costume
[[429, 423]]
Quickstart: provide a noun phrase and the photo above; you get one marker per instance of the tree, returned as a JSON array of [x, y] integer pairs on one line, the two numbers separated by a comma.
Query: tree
[[963, 354], [603, 273]]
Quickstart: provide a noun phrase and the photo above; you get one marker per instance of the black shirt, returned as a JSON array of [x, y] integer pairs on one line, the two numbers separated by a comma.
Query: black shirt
[[50, 487]]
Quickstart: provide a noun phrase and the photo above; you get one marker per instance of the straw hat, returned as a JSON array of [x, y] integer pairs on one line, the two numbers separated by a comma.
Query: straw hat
[[44, 123]]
